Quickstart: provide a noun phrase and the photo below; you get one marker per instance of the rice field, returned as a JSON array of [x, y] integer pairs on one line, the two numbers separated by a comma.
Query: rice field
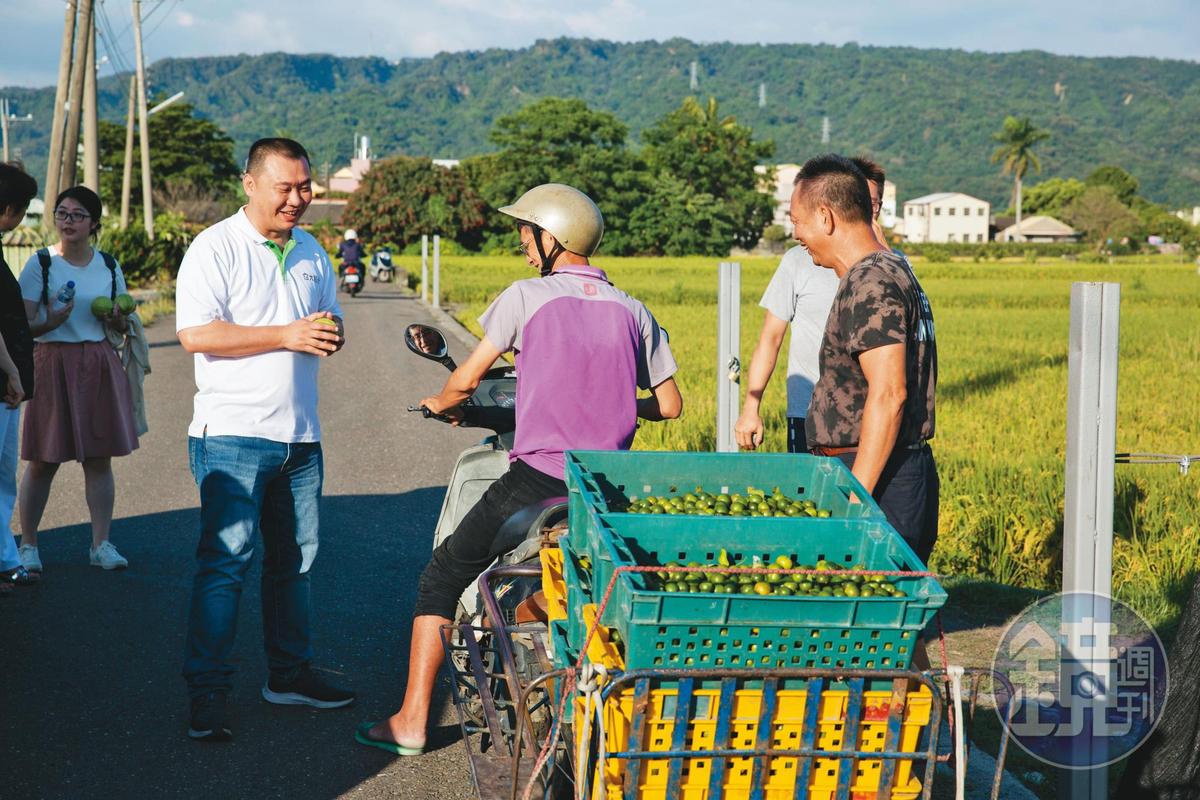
[[1001, 423]]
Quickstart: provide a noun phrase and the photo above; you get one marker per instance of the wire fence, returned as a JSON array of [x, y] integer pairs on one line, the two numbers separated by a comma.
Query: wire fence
[[1181, 461]]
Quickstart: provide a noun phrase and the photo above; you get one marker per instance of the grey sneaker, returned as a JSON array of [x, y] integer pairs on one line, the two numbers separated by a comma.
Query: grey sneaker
[[107, 556], [28, 555], [210, 718], [303, 687]]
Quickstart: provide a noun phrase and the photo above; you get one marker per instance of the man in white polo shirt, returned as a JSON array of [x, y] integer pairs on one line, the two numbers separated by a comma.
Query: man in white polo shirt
[[256, 302]]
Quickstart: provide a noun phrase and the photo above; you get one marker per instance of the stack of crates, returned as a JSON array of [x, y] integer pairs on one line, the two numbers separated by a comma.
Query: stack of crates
[[644, 627]]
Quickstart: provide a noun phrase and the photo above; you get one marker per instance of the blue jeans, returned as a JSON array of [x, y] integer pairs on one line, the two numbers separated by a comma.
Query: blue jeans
[[246, 485]]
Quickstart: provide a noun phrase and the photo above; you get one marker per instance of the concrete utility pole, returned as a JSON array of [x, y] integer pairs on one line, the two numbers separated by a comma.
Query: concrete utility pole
[[437, 271], [54, 165], [91, 124], [143, 121], [70, 152], [127, 175], [7, 118], [695, 82], [425, 268]]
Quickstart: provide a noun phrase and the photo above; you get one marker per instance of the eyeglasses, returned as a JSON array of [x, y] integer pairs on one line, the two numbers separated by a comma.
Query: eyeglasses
[[524, 248], [71, 216]]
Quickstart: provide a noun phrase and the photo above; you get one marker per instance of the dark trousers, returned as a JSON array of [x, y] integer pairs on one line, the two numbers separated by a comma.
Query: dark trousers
[[797, 439], [467, 552], [908, 492]]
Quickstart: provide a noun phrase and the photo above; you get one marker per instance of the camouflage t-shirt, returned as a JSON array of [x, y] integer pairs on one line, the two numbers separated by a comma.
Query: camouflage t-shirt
[[878, 303]]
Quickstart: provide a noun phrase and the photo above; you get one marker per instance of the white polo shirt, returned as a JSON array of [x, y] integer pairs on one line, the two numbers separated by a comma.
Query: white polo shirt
[[233, 273]]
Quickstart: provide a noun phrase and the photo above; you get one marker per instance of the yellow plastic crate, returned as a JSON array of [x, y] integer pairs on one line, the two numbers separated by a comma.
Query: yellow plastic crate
[[601, 649], [554, 587], [787, 726]]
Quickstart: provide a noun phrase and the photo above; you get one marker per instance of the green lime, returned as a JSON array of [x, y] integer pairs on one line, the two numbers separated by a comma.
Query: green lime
[[670, 586], [850, 589], [783, 591], [746, 588], [705, 586]]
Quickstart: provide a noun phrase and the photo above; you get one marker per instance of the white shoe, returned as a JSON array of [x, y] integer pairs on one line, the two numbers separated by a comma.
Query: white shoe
[[107, 556], [28, 554]]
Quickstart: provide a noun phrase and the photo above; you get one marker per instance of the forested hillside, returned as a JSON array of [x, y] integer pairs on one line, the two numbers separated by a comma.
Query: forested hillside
[[927, 115]]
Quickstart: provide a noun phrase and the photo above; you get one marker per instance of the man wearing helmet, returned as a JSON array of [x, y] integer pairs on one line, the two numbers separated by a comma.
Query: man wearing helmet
[[583, 350], [350, 251]]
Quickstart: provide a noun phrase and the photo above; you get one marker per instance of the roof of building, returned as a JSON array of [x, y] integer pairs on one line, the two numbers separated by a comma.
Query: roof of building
[[320, 210], [938, 197], [1041, 225]]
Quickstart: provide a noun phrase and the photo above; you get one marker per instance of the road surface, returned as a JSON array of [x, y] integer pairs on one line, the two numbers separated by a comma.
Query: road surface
[[92, 704]]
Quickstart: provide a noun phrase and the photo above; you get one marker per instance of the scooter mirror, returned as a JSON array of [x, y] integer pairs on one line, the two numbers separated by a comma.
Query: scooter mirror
[[427, 342]]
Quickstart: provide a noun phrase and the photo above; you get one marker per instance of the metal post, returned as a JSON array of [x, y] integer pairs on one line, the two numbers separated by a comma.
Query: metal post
[[4, 126], [437, 271], [425, 268], [729, 313], [1088, 507]]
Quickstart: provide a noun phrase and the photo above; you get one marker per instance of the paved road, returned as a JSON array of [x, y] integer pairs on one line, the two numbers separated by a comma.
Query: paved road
[[91, 701]]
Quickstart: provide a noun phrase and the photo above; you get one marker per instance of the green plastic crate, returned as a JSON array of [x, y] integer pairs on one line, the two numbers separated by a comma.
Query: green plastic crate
[[579, 593], [599, 482], [673, 629]]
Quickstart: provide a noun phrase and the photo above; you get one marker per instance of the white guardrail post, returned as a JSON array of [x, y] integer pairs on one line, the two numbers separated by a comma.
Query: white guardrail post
[[437, 271], [729, 366], [425, 268], [1088, 506]]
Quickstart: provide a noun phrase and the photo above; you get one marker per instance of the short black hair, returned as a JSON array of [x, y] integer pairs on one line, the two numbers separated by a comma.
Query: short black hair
[[274, 146], [870, 170], [17, 187], [835, 181], [86, 198]]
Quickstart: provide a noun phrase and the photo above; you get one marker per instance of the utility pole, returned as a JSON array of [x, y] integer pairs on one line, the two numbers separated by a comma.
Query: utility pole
[[70, 152], [127, 175], [143, 120], [7, 118], [91, 125], [695, 83], [824, 130], [762, 95], [54, 166]]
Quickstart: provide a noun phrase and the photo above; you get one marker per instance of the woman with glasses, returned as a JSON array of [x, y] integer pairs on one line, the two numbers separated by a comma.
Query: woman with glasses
[[83, 410]]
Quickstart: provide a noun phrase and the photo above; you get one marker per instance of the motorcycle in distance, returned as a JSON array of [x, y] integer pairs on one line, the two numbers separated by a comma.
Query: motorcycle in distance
[[382, 269], [351, 279], [493, 408]]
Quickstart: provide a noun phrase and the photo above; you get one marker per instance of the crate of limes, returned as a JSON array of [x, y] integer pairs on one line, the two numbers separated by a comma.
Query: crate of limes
[[842, 613], [807, 490]]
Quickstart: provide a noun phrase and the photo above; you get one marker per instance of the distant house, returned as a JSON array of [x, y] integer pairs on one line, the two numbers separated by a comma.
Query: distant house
[[1038, 229], [946, 217], [321, 210], [348, 179], [1191, 215]]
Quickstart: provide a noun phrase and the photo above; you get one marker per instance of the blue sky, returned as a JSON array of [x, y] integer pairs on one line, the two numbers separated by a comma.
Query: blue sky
[[398, 28]]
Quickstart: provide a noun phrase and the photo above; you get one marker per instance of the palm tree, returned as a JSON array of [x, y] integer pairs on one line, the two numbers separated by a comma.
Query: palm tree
[[1017, 139]]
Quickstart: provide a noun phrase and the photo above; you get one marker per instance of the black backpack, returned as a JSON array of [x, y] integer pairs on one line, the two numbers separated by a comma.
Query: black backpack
[[44, 259]]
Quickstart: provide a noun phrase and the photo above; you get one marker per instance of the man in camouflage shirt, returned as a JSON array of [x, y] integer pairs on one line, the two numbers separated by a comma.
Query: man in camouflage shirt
[[873, 404]]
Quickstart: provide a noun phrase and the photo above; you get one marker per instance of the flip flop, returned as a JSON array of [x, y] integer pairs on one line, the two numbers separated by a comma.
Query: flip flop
[[362, 735]]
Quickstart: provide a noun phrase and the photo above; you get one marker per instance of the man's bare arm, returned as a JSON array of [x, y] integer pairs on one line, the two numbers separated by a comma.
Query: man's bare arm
[[884, 408], [463, 382], [305, 335], [665, 402], [749, 427]]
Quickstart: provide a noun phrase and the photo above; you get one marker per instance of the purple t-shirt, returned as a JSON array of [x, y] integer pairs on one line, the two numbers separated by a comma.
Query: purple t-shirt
[[583, 349]]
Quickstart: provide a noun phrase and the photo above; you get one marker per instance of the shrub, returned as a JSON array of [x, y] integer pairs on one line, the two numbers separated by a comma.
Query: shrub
[[143, 261]]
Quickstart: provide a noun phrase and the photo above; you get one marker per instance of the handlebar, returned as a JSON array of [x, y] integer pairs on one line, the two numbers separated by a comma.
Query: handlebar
[[500, 420]]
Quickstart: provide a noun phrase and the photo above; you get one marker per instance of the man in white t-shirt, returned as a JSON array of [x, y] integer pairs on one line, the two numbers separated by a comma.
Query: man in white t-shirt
[[256, 302]]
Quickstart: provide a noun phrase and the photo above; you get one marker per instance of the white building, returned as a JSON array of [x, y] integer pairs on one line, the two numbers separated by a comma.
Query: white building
[[946, 217]]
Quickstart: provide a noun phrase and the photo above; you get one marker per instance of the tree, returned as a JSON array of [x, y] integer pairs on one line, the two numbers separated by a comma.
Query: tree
[[712, 159], [190, 158], [402, 198], [1124, 185], [561, 141], [1051, 196], [1017, 139], [1101, 216]]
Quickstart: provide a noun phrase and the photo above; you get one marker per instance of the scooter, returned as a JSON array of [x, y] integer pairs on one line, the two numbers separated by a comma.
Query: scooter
[[351, 279], [493, 408], [382, 269]]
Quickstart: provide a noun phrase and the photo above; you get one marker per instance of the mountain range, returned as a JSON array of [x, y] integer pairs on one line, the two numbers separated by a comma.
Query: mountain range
[[926, 115]]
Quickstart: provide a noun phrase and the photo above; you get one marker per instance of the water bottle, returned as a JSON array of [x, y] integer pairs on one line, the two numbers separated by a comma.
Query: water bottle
[[66, 293]]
